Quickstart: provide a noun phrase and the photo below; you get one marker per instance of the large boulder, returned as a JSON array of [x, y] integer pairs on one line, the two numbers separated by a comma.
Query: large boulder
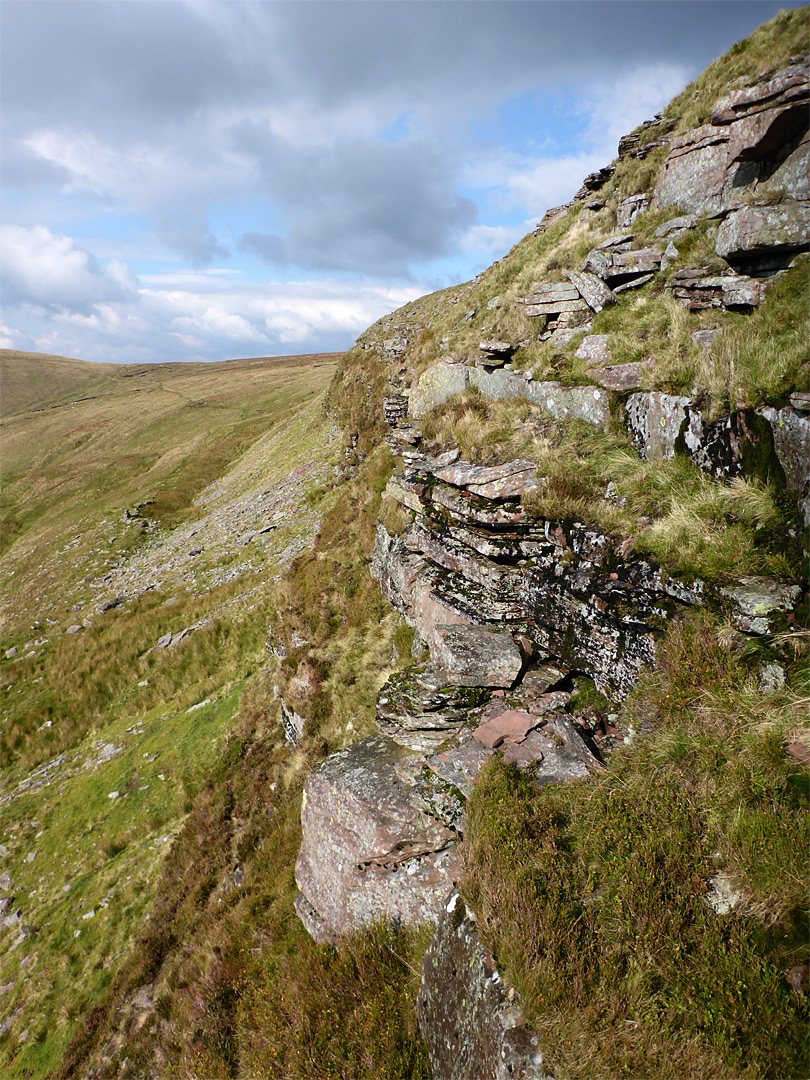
[[752, 230], [471, 1024], [369, 851], [756, 145]]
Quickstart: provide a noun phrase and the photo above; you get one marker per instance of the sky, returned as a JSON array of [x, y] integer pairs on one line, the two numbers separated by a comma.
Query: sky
[[195, 180]]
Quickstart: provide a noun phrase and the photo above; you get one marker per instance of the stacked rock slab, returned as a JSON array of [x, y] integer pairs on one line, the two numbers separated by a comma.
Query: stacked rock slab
[[472, 1031]]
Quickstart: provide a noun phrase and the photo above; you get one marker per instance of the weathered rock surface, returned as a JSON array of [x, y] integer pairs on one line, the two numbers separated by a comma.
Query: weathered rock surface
[[442, 381], [368, 851], [753, 230], [654, 421], [620, 377], [422, 707], [757, 600], [471, 1028], [595, 348], [741, 444], [697, 290], [757, 141], [475, 656], [791, 437]]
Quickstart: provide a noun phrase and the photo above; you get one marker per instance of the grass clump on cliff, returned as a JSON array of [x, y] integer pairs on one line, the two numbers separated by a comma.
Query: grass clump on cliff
[[594, 895]]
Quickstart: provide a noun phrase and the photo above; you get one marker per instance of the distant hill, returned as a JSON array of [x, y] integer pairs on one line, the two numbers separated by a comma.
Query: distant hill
[[30, 380]]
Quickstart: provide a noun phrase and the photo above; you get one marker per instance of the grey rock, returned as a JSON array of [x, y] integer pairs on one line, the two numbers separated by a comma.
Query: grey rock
[[471, 1030], [292, 724], [705, 338], [629, 208], [435, 386], [422, 707], [510, 480], [722, 895], [740, 444], [620, 377], [757, 600], [164, 641], [791, 437], [579, 402], [754, 230], [771, 678], [592, 289], [75, 629], [654, 421], [677, 225], [9, 653], [503, 350], [475, 656]]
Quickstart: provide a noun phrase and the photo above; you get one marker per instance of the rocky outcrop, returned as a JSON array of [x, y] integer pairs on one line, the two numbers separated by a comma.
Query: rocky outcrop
[[471, 1023], [443, 381], [756, 149]]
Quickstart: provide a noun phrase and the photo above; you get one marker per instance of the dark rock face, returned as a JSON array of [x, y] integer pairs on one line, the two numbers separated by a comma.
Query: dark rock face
[[741, 444], [471, 1028], [564, 585], [369, 851]]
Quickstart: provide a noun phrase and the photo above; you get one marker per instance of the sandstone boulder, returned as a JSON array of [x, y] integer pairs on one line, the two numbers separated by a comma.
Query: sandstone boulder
[[368, 851]]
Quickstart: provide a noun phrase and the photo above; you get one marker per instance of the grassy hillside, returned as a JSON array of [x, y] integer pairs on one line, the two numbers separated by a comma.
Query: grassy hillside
[[106, 740]]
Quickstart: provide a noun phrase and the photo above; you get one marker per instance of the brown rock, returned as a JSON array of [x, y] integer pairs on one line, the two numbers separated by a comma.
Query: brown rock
[[511, 726], [367, 851]]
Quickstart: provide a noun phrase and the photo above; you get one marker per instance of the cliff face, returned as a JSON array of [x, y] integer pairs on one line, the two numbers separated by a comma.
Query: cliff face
[[517, 595]]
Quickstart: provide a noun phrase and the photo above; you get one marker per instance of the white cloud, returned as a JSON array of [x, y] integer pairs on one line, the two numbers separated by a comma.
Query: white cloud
[[42, 268]]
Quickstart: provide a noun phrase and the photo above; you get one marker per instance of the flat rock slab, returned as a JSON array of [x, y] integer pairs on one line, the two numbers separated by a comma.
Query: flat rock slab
[[591, 288], [368, 852], [506, 481], [475, 656], [512, 726], [470, 1028]]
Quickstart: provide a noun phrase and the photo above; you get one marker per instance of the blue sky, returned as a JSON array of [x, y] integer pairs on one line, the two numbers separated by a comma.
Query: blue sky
[[192, 180]]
